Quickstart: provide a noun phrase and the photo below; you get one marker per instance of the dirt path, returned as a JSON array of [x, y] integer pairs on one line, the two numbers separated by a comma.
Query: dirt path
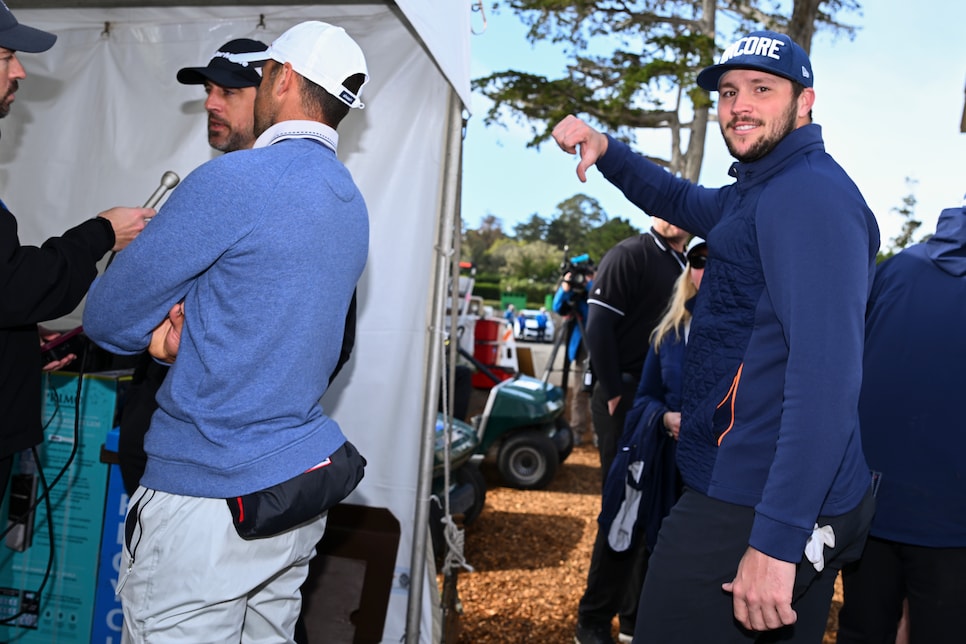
[[530, 551]]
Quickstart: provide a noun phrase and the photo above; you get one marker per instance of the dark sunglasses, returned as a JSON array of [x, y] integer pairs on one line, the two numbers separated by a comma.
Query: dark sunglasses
[[698, 261]]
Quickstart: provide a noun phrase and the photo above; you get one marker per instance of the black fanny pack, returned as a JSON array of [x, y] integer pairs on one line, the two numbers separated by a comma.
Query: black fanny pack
[[276, 509]]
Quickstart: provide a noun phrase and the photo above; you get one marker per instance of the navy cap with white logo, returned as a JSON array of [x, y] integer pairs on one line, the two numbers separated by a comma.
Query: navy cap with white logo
[[223, 71], [766, 51], [18, 37]]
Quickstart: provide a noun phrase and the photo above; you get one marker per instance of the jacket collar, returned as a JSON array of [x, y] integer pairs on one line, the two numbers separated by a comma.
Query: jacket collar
[[799, 141], [299, 130]]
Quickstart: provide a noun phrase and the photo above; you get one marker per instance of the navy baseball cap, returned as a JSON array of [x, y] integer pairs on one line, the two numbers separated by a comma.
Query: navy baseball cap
[[18, 37], [766, 51], [225, 72]]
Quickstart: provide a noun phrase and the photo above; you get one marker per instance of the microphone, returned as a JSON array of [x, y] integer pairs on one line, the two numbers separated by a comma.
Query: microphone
[[168, 181]]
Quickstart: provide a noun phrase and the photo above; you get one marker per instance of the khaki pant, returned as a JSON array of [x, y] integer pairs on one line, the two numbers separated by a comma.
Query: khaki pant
[[186, 575]]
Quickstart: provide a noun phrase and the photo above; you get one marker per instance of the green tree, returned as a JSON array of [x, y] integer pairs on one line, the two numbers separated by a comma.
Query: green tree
[[477, 242], [646, 80], [537, 261], [603, 238], [909, 223], [574, 219], [534, 229]]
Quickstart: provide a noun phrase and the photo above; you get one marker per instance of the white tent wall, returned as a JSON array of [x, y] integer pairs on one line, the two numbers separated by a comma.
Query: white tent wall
[[101, 117]]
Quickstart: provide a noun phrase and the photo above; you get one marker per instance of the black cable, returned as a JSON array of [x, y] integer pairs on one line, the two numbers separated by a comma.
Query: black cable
[[45, 494]]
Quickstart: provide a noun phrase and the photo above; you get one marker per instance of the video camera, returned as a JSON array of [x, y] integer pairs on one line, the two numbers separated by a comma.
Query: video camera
[[580, 269]]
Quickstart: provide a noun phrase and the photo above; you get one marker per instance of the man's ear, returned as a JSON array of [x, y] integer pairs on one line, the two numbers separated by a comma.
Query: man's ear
[[285, 80], [805, 102]]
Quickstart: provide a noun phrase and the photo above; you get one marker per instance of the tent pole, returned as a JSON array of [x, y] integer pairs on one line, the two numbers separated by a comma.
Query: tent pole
[[448, 219]]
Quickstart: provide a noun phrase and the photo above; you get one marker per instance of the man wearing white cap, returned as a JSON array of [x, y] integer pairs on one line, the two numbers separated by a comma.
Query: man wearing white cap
[[778, 494], [38, 284], [250, 265]]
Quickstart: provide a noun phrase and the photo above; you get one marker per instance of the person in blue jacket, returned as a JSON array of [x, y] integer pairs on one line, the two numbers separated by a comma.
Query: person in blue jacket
[[571, 304], [913, 434], [644, 483], [778, 493]]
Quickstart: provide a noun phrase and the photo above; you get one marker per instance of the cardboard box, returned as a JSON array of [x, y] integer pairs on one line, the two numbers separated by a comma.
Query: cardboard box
[[69, 460]]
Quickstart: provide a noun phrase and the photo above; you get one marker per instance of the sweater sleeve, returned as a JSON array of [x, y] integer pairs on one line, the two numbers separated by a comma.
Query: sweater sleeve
[[199, 222], [50, 281]]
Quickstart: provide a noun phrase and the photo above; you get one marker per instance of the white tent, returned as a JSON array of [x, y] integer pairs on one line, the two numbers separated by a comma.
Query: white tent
[[101, 117]]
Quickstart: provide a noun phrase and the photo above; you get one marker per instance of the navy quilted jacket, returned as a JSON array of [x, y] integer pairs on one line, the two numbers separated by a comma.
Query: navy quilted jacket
[[774, 362]]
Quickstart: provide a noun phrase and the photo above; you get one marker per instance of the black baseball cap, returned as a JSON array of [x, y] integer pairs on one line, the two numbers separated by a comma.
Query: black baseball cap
[[18, 37], [224, 72]]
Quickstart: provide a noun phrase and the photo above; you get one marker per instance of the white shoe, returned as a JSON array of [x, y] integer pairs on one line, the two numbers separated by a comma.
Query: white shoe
[[624, 637]]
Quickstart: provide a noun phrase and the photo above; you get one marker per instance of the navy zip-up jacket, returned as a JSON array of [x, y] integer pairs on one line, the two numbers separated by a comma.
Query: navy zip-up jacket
[[774, 361], [911, 405]]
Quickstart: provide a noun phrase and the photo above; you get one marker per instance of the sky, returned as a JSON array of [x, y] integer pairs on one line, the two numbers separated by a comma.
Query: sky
[[890, 103]]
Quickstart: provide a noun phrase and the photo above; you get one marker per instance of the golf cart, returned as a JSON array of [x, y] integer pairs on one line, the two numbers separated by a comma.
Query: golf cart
[[467, 488], [522, 429]]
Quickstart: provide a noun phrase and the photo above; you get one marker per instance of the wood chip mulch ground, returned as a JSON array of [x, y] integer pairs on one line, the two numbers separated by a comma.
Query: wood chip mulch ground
[[530, 551]]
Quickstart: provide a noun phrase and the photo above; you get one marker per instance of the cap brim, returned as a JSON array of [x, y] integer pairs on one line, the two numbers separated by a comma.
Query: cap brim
[[710, 77], [24, 38], [223, 77]]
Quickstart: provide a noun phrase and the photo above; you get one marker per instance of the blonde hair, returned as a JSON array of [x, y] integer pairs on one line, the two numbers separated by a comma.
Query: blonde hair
[[676, 316]]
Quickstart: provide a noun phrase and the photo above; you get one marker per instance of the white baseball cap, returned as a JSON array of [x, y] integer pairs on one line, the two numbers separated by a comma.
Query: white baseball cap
[[322, 53]]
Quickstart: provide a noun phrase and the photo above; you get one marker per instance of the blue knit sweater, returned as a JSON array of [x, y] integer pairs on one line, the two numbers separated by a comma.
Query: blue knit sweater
[[264, 247], [774, 361]]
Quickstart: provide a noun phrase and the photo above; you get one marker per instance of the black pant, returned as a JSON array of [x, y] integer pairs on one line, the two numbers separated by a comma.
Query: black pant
[[699, 547], [609, 428], [932, 579], [614, 579]]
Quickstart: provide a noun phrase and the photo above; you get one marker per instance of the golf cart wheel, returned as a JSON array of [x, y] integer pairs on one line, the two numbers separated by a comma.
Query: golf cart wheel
[[470, 475], [563, 440], [528, 460]]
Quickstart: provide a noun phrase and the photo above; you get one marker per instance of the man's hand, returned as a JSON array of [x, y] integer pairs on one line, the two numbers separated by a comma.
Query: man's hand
[[762, 592], [576, 137], [166, 339], [565, 282], [127, 223], [612, 404], [55, 365], [672, 423]]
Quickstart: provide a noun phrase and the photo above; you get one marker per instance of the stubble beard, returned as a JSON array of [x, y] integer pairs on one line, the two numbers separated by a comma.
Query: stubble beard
[[766, 143], [234, 141], [7, 99]]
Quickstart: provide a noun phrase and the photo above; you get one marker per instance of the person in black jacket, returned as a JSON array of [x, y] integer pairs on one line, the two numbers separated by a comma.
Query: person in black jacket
[[40, 283]]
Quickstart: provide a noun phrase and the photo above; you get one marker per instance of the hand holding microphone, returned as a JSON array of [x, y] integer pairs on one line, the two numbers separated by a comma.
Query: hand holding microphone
[[128, 222]]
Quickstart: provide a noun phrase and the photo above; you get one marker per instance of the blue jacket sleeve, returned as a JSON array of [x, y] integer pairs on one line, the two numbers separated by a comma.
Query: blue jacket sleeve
[[659, 193], [560, 299], [818, 256], [649, 401]]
